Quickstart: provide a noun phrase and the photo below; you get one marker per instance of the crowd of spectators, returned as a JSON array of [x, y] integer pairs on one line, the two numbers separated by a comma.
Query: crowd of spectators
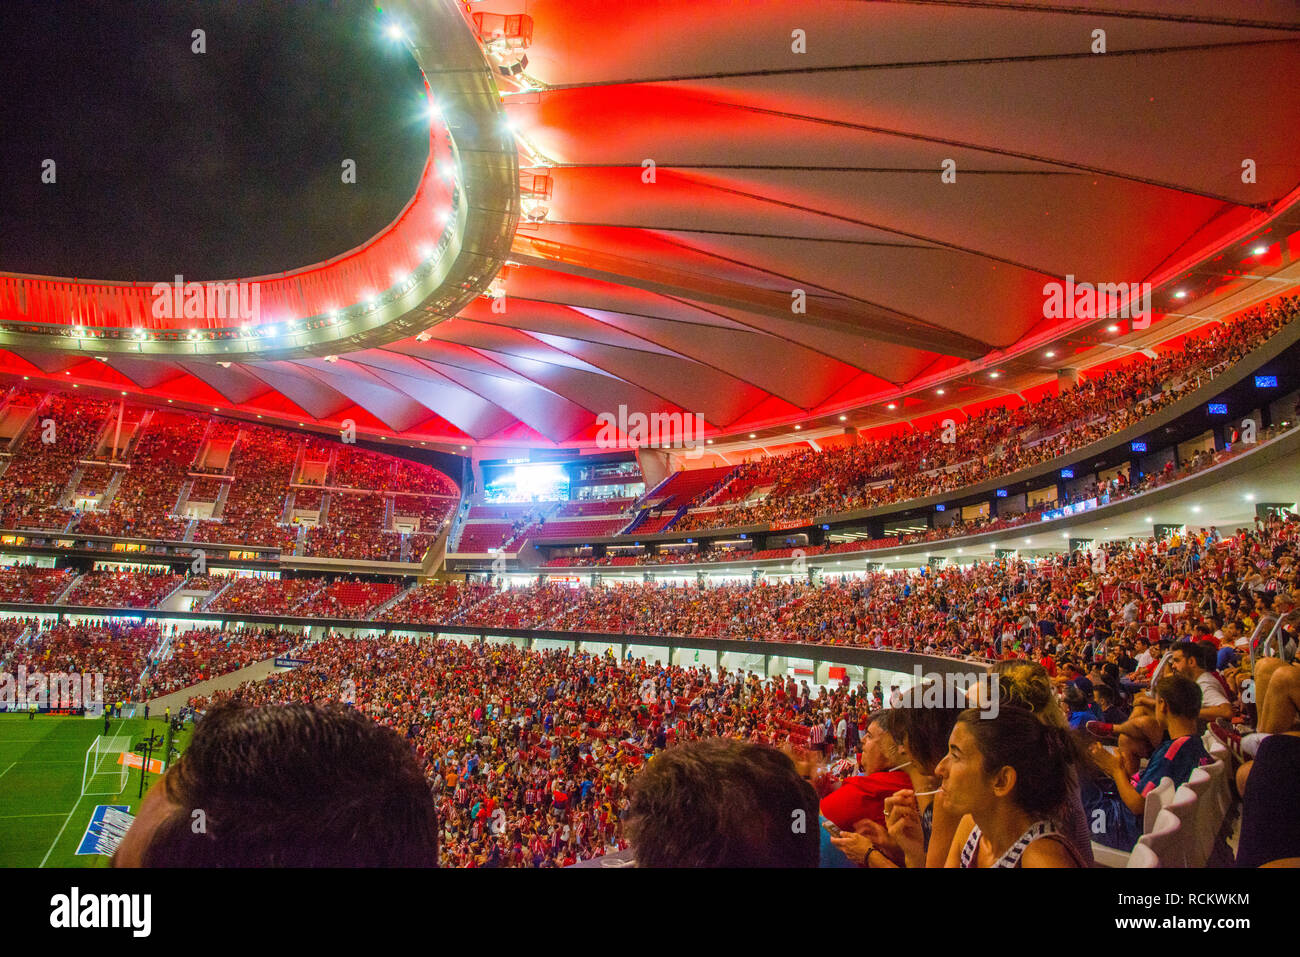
[[354, 528], [533, 756], [974, 609], [437, 601], [120, 651], [347, 599], [62, 431], [262, 464], [175, 447], [257, 595], [123, 589], [202, 653], [32, 585], [1100, 493], [997, 441]]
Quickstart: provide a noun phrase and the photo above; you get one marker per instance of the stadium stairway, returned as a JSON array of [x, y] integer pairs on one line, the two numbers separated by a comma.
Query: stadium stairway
[[677, 515], [640, 517], [69, 492], [377, 612], [218, 593], [62, 596], [110, 493]]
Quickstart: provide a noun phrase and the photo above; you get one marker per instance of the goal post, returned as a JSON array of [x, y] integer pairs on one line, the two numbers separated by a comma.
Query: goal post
[[104, 772]]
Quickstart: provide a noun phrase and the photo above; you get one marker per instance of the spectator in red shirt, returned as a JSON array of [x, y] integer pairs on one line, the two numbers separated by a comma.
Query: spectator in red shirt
[[862, 797]]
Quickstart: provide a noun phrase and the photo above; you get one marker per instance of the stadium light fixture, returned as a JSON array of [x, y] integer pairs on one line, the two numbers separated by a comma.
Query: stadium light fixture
[[939, 391], [1112, 328], [1051, 354], [1259, 250], [1181, 294]]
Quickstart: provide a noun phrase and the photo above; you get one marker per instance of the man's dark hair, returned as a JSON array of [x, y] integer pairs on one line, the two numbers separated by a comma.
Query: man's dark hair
[[1075, 699], [723, 803], [923, 731], [1181, 695], [1105, 695], [1198, 652], [296, 786]]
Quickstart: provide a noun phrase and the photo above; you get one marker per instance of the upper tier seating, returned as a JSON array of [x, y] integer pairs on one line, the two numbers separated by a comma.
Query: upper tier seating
[[174, 451], [580, 528]]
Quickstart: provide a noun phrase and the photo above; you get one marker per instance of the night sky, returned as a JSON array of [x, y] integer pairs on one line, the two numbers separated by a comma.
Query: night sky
[[220, 165]]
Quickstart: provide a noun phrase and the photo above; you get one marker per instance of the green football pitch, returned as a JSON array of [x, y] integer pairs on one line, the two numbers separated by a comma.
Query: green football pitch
[[43, 814]]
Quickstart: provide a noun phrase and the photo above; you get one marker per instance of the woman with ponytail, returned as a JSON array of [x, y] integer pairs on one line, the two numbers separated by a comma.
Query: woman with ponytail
[[1010, 776], [1028, 685]]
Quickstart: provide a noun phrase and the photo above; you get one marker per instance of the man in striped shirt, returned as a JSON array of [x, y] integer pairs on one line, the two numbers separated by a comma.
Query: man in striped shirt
[[817, 737]]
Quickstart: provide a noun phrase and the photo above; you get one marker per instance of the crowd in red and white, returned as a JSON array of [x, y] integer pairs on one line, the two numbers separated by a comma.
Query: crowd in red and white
[[996, 441]]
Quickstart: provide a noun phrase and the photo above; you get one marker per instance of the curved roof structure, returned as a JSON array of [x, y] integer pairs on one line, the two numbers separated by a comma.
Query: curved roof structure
[[774, 214]]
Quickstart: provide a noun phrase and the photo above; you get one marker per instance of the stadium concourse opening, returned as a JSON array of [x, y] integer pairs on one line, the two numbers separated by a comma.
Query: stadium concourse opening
[[690, 434]]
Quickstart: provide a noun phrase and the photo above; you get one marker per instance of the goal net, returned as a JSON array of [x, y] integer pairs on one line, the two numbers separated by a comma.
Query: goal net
[[104, 771]]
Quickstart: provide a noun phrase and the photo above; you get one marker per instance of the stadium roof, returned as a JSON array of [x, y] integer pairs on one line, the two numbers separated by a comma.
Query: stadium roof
[[708, 168]]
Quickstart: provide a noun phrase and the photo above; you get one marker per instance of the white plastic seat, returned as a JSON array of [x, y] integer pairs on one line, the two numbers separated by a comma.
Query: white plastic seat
[[1184, 806], [1204, 823], [1211, 783], [1143, 856], [1157, 801], [1217, 749], [1164, 841]]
